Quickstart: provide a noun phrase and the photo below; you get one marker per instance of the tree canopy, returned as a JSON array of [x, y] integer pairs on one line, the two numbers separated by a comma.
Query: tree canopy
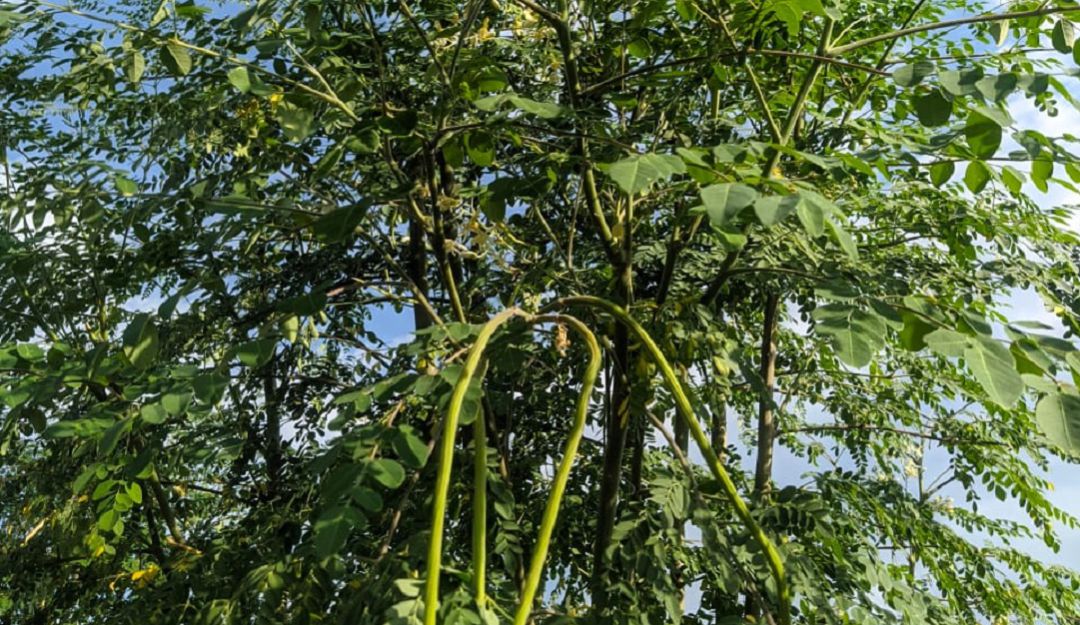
[[535, 311]]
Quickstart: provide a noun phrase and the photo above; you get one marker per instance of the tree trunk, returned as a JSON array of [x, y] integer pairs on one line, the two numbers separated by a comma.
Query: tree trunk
[[618, 418], [766, 424], [416, 265], [272, 435]]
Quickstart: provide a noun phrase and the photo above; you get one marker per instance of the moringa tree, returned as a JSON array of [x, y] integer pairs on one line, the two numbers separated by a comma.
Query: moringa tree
[[535, 311]]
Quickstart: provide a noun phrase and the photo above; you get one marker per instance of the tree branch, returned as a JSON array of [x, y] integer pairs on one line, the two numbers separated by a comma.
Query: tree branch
[[963, 21], [866, 427]]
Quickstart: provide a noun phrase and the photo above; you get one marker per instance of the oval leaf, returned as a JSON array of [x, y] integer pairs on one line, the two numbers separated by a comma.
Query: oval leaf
[[141, 341], [1058, 415], [995, 370], [723, 202]]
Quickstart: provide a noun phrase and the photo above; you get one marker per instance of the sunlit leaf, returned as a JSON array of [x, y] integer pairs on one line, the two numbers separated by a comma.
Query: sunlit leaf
[[141, 341], [639, 173], [176, 58], [1059, 418]]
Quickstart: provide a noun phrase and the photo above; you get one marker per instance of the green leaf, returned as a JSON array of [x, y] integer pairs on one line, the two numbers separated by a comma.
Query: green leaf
[[490, 103], [855, 334], [639, 173], [544, 110], [134, 491], [340, 224], [160, 13], [1012, 179], [731, 240], [693, 157], [913, 74], [1034, 84], [153, 414], [84, 427], [1041, 171], [242, 20], [366, 498], [1000, 31], [399, 123], [210, 387], [387, 472], [995, 370], [108, 520], [9, 18], [176, 402], [333, 527], [325, 165], [256, 353], [84, 478], [238, 77], [940, 173], [103, 489], [176, 59], [1076, 52], [948, 343], [493, 205], [786, 12], [296, 122], [842, 238], [976, 176], [405, 613], [815, 7], [983, 134], [30, 352], [999, 115], [134, 66], [686, 9], [812, 209], [289, 327], [772, 209], [489, 79], [125, 186], [933, 109], [364, 141], [997, 88], [723, 202], [141, 341], [639, 48], [168, 307], [409, 587], [1073, 171], [480, 146], [913, 335], [122, 502], [360, 399], [837, 290], [1058, 415], [1030, 359], [408, 446], [112, 436], [960, 82], [1063, 37]]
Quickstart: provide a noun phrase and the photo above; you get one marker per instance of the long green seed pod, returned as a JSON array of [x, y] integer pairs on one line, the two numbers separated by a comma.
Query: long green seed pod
[[562, 475], [446, 460], [479, 528], [686, 411]]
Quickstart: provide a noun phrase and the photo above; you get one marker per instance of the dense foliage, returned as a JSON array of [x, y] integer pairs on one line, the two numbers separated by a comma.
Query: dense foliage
[[746, 264]]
